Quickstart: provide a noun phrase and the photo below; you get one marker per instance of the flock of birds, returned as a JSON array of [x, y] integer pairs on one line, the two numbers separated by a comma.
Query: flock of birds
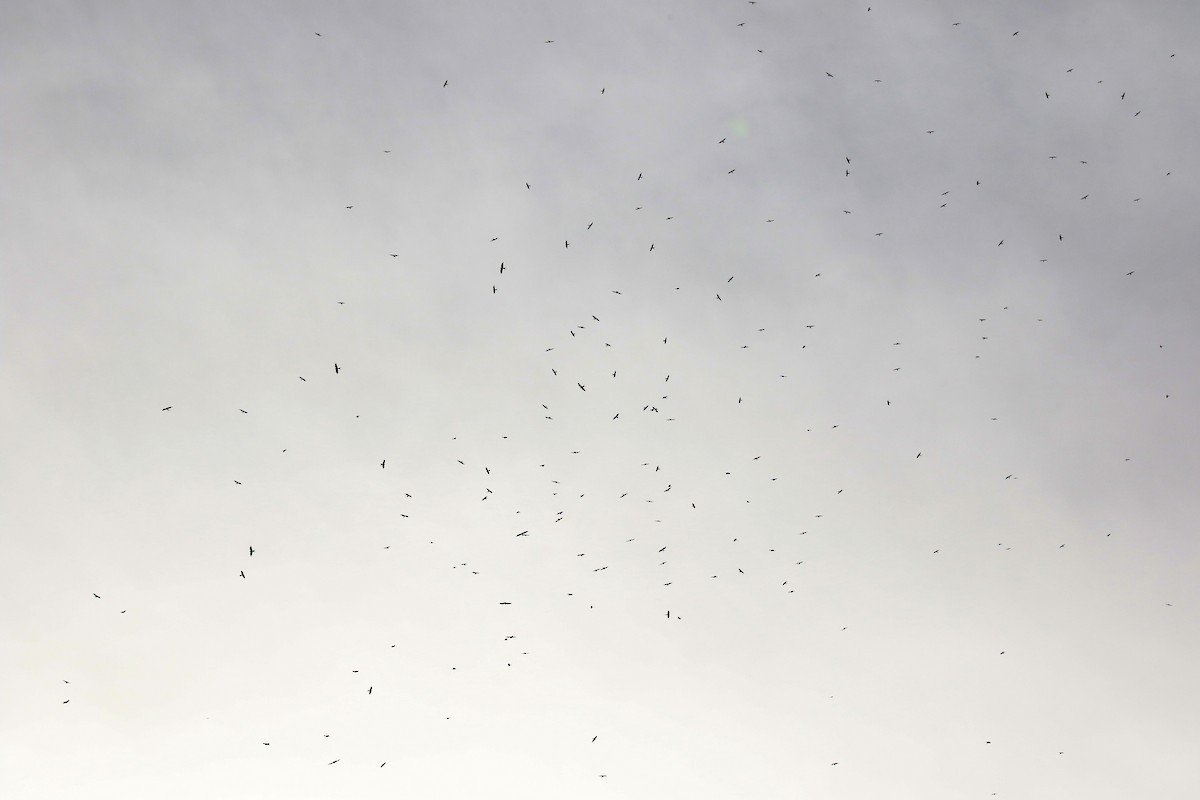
[[571, 365]]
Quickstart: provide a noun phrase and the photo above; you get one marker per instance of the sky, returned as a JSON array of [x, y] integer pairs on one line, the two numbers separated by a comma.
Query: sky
[[626, 399]]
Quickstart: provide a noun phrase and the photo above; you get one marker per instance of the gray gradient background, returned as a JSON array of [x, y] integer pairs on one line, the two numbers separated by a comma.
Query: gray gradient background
[[175, 179]]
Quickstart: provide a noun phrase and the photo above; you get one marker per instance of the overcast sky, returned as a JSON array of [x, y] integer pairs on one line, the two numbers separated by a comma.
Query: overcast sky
[[831, 430]]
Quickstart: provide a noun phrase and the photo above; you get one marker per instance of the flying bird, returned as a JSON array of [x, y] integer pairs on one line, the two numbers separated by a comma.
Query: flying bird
[[251, 551], [336, 368]]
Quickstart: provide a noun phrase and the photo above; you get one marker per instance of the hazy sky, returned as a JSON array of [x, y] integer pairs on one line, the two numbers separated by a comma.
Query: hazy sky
[[830, 432]]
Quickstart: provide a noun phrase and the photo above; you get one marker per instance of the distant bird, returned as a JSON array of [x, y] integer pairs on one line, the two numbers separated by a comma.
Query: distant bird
[[242, 573], [96, 596], [581, 386], [168, 408], [444, 85], [383, 464], [722, 141], [501, 267], [336, 760], [251, 551], [302, 378], [566, 244], [244, 411], [336, 368], [829, 74], [639, 177]]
